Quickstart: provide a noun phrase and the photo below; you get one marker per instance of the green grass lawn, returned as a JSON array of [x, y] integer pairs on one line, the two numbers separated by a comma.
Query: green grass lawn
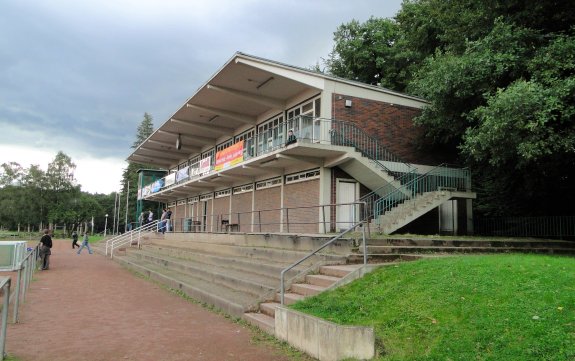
[[497, 307]]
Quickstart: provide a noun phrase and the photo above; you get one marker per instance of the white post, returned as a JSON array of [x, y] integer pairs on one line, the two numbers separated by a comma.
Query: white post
[[127, 198], [105, 225]]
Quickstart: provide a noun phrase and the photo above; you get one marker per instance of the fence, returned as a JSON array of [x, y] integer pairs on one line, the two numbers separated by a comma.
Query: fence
[[310, 219], [561, 227]]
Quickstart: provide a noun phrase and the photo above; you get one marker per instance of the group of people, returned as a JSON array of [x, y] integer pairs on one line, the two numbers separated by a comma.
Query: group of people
[[46, 246], [164, 224]]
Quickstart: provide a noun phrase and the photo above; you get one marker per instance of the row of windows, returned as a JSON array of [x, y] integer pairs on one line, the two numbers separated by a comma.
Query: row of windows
[[268, 183], [267, 131]]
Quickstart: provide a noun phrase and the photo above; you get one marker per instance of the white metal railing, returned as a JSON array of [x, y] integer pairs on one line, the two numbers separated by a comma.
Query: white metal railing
[[284, 271], [130, 237], [26, 269], [5, 286]]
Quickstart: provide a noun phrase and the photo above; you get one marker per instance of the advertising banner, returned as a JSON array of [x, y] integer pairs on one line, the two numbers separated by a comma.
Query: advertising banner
[[205, 165], [182, 174], [170, 179], [230, 156]]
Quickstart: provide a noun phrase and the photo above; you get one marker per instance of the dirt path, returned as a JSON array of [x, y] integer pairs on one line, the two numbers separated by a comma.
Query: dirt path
[[89, 308]]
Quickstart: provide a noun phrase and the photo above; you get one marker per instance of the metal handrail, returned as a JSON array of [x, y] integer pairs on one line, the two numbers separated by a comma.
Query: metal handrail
[[5, 286], [26, 269], [128, 237], [308, 129], [284, 221], [282, 276], [438, 177]]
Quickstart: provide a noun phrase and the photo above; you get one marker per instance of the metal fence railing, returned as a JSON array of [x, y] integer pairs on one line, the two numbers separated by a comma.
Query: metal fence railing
[[561, 227], [307, 219], [130, 237], [5, 286]]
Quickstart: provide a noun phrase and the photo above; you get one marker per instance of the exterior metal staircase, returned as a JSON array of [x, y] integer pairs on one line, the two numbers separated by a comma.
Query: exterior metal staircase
[[400, 193]]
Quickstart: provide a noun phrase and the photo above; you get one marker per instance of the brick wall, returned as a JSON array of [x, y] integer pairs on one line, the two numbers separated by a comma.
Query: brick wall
[[241, 211], [301, 194], [392, 124], [221, 211], [268, 198]]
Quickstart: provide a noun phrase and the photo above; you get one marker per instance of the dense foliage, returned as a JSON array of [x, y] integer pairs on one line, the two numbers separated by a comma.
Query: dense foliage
[[500, 79], [31, 199]]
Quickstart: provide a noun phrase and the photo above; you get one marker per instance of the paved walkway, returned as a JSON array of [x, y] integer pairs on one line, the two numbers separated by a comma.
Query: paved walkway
[[89, 308]]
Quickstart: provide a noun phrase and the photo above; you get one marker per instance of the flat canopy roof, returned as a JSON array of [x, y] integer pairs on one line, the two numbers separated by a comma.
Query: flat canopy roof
[[245, 88]]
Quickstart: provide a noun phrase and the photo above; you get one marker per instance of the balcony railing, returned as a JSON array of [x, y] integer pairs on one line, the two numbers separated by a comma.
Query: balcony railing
[[306, 130]]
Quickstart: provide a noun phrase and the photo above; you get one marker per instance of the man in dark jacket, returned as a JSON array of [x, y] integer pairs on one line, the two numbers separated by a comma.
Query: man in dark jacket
[[45, 248]]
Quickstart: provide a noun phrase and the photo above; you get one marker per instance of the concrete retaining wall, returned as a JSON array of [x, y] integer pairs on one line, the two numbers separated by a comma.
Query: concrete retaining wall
[[324, 340]]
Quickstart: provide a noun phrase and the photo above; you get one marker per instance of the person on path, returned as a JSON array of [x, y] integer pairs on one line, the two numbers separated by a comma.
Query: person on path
[[85, 244], [75, 240], [141, 219], [45, 248]]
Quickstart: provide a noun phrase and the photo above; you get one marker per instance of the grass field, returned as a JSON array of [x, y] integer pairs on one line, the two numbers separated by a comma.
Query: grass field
[[497, 307]]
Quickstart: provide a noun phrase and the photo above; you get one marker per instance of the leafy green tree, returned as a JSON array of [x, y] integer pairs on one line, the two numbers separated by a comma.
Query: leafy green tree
[[130, 175], [364, 52]]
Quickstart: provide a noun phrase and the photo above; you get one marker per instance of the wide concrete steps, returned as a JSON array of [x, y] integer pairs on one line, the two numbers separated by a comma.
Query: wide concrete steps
[[230, 301], [314, 284], [254, 284], [429, 245], [256, 266], [284, 256]]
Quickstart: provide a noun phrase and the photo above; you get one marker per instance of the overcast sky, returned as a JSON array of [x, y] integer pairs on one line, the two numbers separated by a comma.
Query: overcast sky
[[78, 75]]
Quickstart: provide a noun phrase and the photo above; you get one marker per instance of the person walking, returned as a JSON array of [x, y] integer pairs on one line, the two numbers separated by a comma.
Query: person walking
[[75, 240], [85, 244], [45, 248]]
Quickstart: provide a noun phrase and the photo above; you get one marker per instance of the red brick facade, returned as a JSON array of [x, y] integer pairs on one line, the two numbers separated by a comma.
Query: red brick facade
[[302, 194], [241, 211], [392, 124], [268, 198]]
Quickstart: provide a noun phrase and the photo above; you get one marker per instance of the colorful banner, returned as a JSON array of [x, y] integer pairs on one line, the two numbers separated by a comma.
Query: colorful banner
[[205, 165], [230, 156], [182, 174], [157, 185], [170, 179]]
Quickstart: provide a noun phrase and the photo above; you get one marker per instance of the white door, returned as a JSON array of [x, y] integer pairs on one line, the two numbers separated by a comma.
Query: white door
[[346, 214], [448, 218]]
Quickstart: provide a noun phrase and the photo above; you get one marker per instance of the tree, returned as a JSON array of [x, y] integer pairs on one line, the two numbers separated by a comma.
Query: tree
[[130, 175], [145, 129], [498, 76]]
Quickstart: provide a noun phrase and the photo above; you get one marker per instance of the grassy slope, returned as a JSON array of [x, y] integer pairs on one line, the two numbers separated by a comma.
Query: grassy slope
[[499, 307]]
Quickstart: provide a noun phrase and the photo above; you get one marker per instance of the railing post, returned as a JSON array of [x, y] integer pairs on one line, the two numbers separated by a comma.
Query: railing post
[[287, 219], [364, 244], [6, 304], [17, 294]]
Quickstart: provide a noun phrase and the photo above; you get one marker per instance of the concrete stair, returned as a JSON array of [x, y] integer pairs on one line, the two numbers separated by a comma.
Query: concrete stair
[[232, 278], [327, 277], [387, 249]]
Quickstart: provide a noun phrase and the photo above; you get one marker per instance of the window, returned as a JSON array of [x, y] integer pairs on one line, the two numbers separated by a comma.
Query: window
[[249, 142], [172, 204], [193, 200], [302, 176], [274, 182], [210, 153], [205, 197], [181, 202], [223, 193], [224, 145], [302, 120], [244, 189], [271, 134]]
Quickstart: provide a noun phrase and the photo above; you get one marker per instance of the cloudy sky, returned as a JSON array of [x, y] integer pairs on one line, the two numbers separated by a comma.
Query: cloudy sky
[[78, 75]]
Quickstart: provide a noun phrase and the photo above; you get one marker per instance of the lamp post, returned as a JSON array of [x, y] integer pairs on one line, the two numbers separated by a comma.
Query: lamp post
[[106, 225]]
